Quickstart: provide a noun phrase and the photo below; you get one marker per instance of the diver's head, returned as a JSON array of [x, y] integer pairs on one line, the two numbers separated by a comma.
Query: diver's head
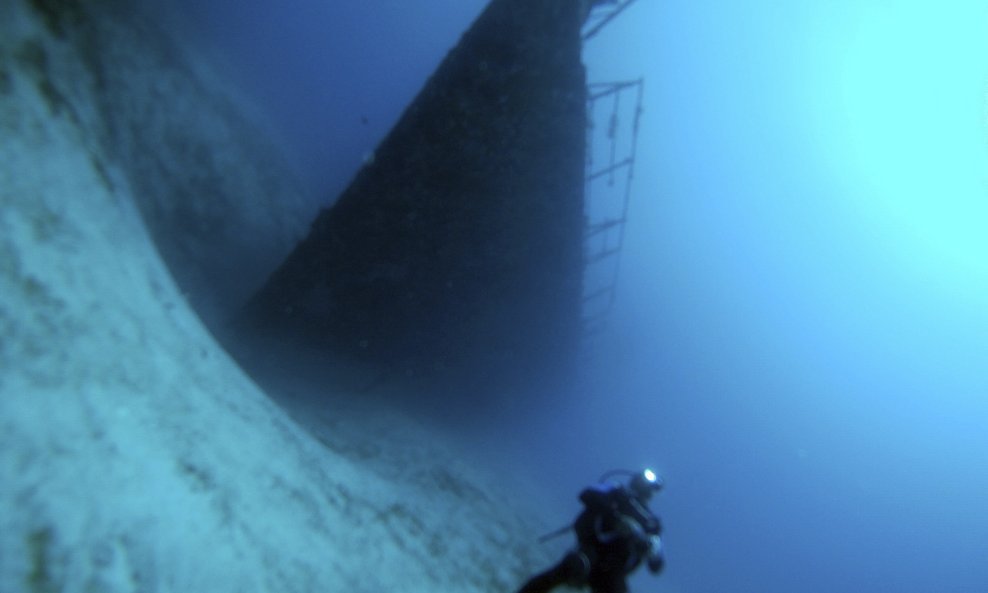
[[645, 483]]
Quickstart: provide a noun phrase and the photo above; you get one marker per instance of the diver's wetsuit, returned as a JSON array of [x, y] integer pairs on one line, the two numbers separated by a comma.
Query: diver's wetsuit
[[615, 532]]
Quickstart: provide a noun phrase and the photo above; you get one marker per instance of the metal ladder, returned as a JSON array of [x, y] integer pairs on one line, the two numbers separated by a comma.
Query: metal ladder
[[607, 192]]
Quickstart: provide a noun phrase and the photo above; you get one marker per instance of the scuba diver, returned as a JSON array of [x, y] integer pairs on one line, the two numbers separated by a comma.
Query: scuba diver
[[615, 532]]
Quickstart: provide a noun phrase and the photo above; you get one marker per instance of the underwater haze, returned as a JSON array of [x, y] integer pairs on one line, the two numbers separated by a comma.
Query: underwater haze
[[800, 337], [802, 333]]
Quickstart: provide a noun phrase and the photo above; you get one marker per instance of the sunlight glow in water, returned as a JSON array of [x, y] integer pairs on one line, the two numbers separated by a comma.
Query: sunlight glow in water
[[914, 97]]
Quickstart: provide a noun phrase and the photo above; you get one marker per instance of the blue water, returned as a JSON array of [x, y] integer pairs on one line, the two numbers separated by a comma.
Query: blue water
[[800, 341]]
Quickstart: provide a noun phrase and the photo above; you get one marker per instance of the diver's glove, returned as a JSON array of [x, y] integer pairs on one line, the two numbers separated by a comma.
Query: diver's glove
[[656, 555]]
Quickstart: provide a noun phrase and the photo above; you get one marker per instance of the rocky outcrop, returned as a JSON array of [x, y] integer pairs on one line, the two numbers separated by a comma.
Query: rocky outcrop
[[217, 196], [455, 255]]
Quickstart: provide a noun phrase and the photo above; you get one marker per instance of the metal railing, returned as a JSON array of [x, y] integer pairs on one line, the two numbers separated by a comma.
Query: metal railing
[[601, 14]]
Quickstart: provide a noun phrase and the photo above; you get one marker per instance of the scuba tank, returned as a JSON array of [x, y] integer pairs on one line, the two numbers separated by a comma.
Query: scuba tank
[[646, 475]]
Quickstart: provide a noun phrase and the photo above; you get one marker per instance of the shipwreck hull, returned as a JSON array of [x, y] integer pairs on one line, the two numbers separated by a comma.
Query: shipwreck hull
[[456, 252]]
